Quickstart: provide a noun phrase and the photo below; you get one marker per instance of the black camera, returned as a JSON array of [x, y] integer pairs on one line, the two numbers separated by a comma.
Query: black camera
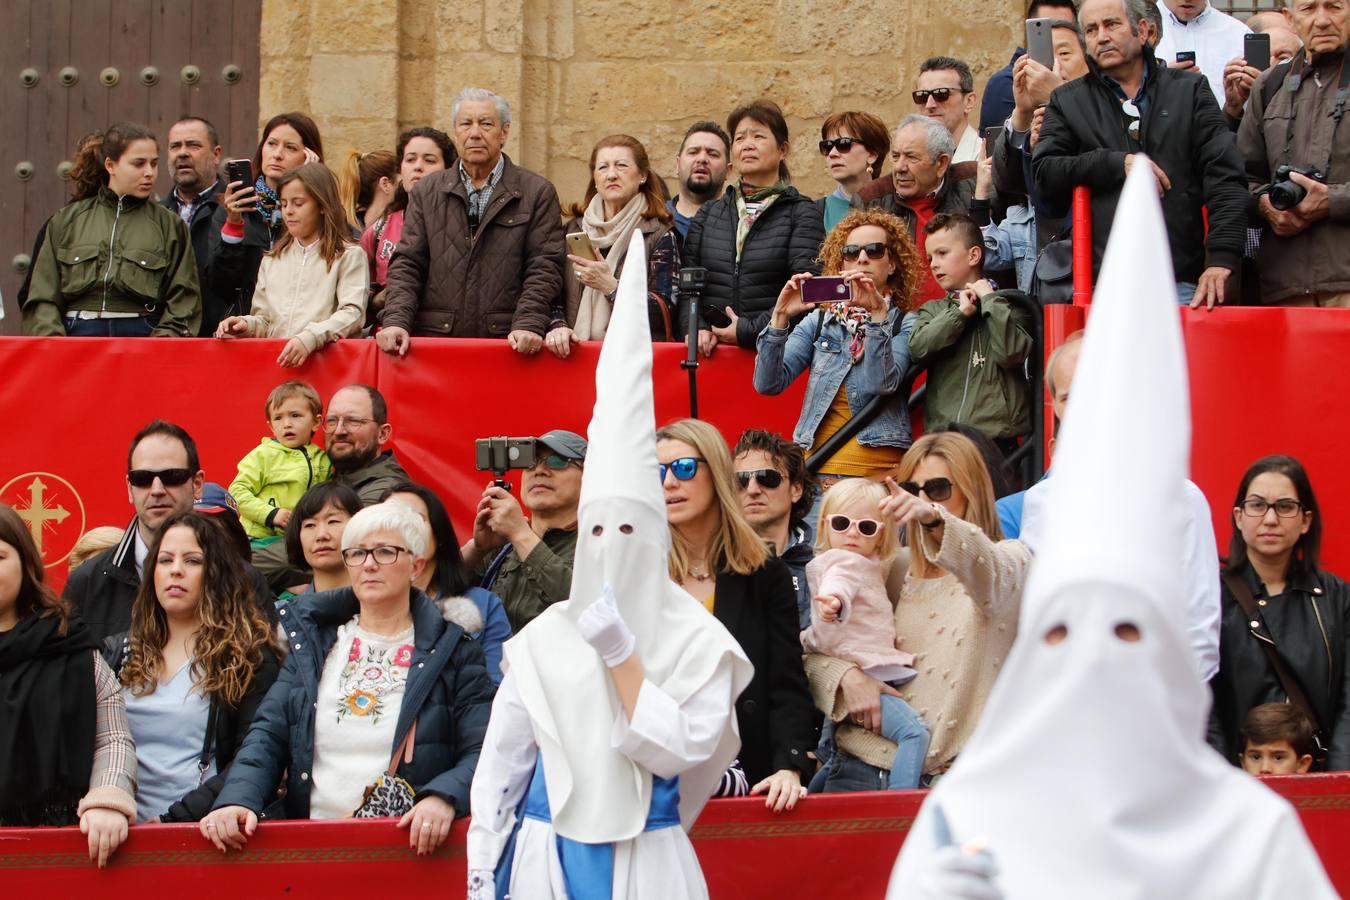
[[1285, 193]]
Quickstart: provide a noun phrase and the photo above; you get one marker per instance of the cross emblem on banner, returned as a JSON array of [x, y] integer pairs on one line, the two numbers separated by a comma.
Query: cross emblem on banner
[[37, 514]]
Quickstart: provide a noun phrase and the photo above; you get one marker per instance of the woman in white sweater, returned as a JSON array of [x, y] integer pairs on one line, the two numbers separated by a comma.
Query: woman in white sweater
[[957, 606], [312, 285]]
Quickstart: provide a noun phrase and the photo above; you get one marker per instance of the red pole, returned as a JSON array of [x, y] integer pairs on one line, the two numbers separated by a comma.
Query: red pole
[[1082, 246]]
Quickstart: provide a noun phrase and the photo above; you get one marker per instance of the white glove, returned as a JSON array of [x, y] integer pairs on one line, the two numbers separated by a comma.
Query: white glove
[[481, 885], [604, 629], [958, 875]]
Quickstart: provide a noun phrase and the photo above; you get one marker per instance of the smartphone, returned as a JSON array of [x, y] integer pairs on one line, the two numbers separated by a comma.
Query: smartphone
[[714, 315], [578, 244], [1041, 42], [826, 289], [991, 138], [1256, 50], [240, 170], [498, 454], [1186, 56]]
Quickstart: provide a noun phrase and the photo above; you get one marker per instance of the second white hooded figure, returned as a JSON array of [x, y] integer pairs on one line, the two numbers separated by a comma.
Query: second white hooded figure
[[616, 716]]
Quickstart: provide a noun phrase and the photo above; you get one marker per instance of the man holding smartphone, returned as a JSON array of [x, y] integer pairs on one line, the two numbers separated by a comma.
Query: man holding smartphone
[[1198, 37]]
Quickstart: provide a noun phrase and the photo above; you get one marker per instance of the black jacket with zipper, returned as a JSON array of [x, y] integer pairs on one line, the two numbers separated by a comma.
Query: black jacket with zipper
[[782, 242], [205, 231], [1310, 624], [233, 268], [226, 727], [1085, 139]]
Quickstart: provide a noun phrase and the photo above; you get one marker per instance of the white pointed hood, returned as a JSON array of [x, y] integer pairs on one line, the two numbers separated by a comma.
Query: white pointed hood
[[596, 794], [1088, 774]]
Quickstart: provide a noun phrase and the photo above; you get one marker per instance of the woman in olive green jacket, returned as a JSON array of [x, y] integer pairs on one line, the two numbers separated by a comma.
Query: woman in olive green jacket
[[117, 264]]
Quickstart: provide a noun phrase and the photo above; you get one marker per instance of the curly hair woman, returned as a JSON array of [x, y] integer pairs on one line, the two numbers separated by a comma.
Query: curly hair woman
[[856, 349], [195, 665]]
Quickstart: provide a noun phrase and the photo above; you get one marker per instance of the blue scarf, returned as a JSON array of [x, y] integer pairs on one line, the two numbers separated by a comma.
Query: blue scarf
[[269, 203]]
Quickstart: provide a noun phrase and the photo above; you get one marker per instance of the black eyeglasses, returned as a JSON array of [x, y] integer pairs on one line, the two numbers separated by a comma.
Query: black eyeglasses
[[143, 478], [767, 478], [938, 94], [937, 489], [1257, 507], [866, 527], [385, 554], [333, 423], [874, 250], [685, 468], [842, 144]]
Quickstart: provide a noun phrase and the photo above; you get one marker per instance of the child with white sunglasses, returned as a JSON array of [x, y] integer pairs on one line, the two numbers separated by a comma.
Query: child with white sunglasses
[[852, 617]]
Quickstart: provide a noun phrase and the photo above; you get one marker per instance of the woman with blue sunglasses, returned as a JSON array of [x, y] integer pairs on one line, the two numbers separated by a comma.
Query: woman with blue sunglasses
[[719, 559]]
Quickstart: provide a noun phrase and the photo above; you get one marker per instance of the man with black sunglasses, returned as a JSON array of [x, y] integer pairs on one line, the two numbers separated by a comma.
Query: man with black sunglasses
[[164, 477], [528, 562], [946, 92], [777, 492]]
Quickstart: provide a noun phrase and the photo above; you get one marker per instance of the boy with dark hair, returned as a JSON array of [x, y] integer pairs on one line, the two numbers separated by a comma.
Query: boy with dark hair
[[1277, 739], [275, 475], [974, 342]]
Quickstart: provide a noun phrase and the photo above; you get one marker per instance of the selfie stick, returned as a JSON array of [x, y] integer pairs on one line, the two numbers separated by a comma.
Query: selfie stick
[[691, 283]]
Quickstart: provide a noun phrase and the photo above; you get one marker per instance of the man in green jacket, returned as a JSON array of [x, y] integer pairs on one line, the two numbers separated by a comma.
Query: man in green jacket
[[974, 342], [116, 264], [528, 562]]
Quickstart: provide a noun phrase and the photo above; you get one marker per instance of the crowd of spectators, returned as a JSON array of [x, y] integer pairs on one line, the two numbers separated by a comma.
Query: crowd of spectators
[[318, 642]]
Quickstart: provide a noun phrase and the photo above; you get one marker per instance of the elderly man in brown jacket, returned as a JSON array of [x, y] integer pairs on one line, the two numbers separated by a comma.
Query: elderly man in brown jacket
[[481, 253], [1294, 121]]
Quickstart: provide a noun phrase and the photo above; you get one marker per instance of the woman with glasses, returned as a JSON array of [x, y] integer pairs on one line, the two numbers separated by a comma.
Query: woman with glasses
[[447, 580], [1273, 566], [196, 664], [379, 692], [717, 557], [854, 145], [856, 349], [958, 589]]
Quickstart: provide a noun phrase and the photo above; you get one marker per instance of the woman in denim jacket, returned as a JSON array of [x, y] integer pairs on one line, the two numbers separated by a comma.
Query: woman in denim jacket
[[856, 350]]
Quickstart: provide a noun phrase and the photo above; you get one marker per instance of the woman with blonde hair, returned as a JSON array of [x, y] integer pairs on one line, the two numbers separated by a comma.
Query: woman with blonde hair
[[197, 662], [855, 350], [716, 556], [958, 589], [366, 186]]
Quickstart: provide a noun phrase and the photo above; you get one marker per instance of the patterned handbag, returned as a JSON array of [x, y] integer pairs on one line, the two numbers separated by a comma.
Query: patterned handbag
[[390, 796]]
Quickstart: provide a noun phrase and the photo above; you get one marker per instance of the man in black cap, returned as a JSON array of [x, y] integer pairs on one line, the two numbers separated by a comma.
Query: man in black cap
[[528, 562]]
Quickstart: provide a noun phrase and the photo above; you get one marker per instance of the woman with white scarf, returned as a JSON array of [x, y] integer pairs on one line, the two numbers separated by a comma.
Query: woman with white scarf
[[624, 196]]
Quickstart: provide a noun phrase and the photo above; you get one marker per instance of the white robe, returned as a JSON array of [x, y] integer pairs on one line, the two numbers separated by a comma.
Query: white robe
[[664, 737]]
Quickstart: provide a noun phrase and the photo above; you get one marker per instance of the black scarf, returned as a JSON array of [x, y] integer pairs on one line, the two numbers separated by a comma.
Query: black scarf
[[47, 720]]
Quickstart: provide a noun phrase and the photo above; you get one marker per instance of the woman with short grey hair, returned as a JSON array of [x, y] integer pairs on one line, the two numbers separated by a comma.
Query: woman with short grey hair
[[381, 707]]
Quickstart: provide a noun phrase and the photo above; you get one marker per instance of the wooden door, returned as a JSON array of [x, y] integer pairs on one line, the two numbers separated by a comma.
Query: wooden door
[[69, 67]]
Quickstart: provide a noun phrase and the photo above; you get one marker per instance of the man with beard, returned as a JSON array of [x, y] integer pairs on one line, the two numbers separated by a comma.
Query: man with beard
[[355, 432], [701, 167], [194, 163]]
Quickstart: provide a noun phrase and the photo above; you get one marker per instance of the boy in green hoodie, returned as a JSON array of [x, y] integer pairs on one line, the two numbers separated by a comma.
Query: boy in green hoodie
[[973, 342], [275, 475]]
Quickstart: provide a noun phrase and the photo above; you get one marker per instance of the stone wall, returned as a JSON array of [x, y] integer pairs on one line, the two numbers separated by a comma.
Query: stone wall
[[576, 70]]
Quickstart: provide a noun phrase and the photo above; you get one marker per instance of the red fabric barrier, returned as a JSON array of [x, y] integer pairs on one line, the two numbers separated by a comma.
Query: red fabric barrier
[[1262, 381], [1082, 246], [832, 845]]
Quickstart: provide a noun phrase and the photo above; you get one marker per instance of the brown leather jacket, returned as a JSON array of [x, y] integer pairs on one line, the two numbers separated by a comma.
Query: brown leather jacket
[[442, 283]]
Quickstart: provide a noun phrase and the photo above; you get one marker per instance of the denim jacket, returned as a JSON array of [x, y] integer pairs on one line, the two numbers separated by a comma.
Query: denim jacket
[[783, 355], [1011, 244]]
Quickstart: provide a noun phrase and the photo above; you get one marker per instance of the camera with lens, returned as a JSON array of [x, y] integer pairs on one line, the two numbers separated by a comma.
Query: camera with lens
[[1285, 193]]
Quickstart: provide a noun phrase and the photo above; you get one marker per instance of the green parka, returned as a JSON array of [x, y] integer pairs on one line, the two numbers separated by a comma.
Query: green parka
[[115, 254]]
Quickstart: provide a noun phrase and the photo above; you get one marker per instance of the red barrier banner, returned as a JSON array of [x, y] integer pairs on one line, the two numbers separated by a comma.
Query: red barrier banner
[[831, 845]]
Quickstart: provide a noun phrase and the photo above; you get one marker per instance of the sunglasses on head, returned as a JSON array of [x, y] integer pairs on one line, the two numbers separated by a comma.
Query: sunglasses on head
[[938, 94], [874, 250], [842, 144], [767, 478], [143, 478], [685, 468], [937, 489], [866, 527]]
